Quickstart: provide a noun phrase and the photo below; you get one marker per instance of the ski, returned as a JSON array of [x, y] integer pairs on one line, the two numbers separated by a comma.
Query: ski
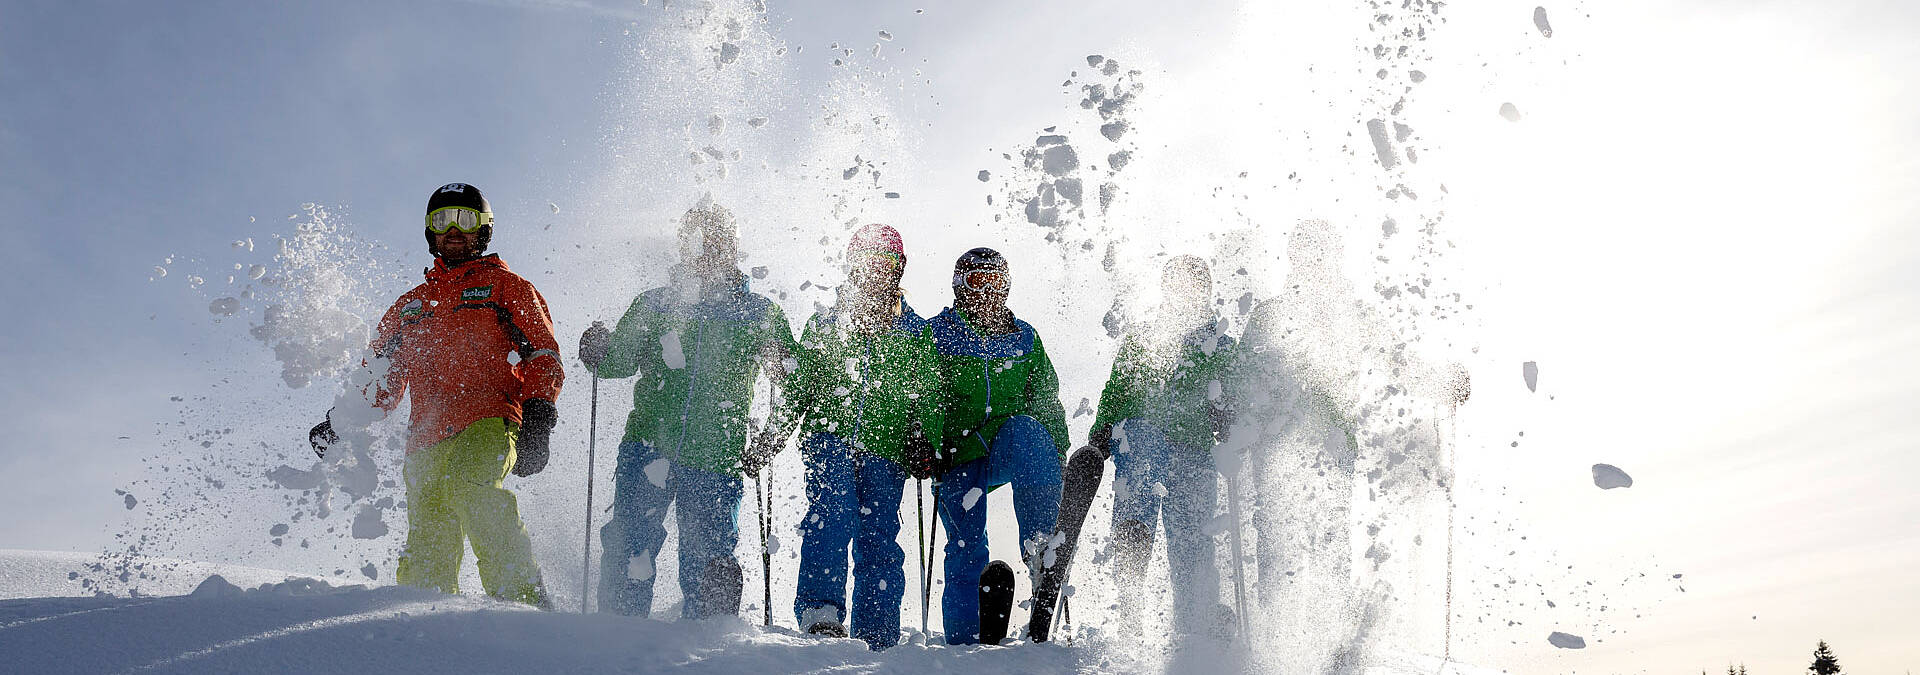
[[1082, 481], [996, 602]]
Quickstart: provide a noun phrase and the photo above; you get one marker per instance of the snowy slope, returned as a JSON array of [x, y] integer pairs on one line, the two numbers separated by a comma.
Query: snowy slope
[[305, 626]]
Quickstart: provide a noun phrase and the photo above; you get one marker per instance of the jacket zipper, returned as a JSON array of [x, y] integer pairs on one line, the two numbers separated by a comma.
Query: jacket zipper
[[686, 408]]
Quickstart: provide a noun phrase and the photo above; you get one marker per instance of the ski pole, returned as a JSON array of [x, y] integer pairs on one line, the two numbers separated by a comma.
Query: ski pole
[[933, 542], [1239, 564], [586, 549], [765, 494], [920, 524], [1446, 649]]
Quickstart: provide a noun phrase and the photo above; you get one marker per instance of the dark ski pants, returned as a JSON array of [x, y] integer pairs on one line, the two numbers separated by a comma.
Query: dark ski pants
[[1023, 454], [852, 498], [644, 484], [1158, 480]]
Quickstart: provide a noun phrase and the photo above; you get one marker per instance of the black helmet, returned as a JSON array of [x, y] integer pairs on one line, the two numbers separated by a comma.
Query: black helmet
[[463, 195]]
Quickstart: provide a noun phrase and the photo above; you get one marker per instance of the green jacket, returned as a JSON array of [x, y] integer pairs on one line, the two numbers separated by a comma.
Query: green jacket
[[991, 378], [1177, 387], [867, 388], [697, 364]]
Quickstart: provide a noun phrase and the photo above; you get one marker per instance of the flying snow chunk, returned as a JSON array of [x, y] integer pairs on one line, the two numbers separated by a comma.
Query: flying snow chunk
[[1608, 477], [1540, 22], [367, 524], [1531, 371], [670, 351], [224, 306], [1059, 159], [640, 568], [983, 176], [1510, 112], [370, 572], [1565, 641], [886, 35], [973, 497], [131, 502], [657, 473], [256, 271]]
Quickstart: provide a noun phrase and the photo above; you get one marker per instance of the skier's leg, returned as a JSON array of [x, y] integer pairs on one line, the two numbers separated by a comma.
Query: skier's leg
[[709, 509], [832, 505], [501, 549], [631, 539], [880, 577], [966, 549], [1193, 498], [1025, 456], [1139, 467], [435, 543]]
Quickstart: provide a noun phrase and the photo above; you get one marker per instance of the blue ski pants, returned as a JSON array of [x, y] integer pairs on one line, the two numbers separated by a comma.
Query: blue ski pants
[[853, 498], [708, 506], [1156, 479], [1022, 454]]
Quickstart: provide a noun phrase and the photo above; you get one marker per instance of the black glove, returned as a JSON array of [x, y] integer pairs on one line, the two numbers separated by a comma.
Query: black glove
[[537, 417], [923, 457], [594, 345], [322, 436], [1100, 439], [1221, 420]]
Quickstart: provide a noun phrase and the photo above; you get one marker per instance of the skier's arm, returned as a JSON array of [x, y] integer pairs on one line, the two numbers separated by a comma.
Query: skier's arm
[[385, 392], [1120, 399], [797, 391], [927, 391], [623, 356], [1043, 398], [777, 348], [531, 329]]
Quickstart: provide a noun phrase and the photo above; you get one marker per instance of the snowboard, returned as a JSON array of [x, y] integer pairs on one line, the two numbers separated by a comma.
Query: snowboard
[[1081, 481], [996, 601]]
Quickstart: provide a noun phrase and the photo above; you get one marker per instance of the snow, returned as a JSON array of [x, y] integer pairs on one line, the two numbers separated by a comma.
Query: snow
[[670, 351], [1540, 22], [1566, 641], [657, 472], [640, 568], [1608, 477], [972, 497], [1530, 371]]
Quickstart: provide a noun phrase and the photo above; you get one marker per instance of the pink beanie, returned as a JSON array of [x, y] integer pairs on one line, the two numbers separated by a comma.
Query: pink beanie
[[877, 237]]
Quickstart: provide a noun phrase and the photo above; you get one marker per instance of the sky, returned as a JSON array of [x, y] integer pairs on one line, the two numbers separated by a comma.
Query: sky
[[1701, 228]]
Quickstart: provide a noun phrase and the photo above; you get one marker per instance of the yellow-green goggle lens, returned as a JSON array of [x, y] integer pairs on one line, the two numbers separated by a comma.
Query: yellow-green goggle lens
[[466, 219]]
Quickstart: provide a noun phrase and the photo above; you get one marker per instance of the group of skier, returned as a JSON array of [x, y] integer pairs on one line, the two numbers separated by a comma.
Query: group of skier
[[878, 396]]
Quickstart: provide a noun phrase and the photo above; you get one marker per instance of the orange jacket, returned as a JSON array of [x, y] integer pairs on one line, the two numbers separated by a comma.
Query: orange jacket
[[450, 339]]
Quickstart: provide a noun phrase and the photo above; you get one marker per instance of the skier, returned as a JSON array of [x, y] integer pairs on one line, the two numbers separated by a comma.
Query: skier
[[697, 345], [1301, 380], [475, 415], [866, 397], [1164, 408], [1004, 424]]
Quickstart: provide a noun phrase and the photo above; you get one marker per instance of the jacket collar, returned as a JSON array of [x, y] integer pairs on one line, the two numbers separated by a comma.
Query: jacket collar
[[442, 271]]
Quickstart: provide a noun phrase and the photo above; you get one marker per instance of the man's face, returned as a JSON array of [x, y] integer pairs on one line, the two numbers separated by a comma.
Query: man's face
[[456, 245], [983, 290], [1187, 295]]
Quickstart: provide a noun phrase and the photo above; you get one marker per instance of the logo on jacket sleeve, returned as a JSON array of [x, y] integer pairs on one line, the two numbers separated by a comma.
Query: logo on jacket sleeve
[[412, 309], [477, 293]]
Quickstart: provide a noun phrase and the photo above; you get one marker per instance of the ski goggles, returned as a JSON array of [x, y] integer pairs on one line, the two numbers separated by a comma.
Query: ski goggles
[[981, 281], [468, 220]]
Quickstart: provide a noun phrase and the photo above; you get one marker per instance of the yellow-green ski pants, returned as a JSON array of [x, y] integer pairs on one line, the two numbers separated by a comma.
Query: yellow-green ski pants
[[454, 494]]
